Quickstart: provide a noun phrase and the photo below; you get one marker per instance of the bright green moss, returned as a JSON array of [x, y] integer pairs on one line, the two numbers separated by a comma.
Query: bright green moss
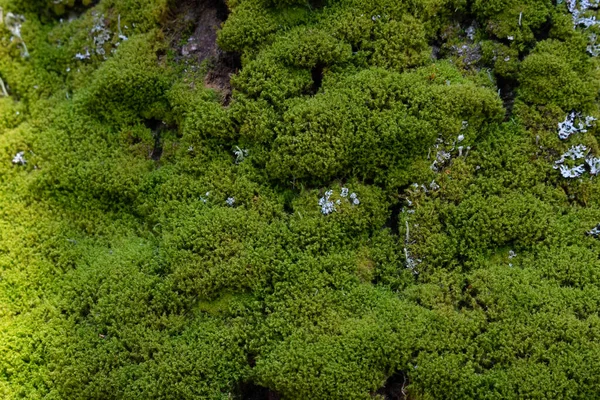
[[561, 74], [523, 21], [400, 45], [372, 122], [129, 85], [163, 240]]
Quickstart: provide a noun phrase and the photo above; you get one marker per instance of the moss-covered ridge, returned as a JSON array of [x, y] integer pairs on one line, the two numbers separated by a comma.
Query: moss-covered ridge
[[380, 209]]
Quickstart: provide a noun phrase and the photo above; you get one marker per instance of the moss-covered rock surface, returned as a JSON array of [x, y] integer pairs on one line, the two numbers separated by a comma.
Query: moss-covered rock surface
[[299, 199]]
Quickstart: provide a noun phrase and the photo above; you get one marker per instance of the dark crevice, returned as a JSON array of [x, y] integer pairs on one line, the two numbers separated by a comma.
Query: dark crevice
[[157, 150], [222, 10], [251, 391], [395, 387], [540, 34], [219, 76], [317, 4], [508, 89], [251, 359], [156, 126], [543, 32], [317, 77], [393, 221]]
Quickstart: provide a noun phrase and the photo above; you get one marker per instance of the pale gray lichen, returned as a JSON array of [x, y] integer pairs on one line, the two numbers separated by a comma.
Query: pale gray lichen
[[511, 255], [593, 47], [470, 54], [594, 164], [19, 158], [574, 123], [443, 155], [595, 231], [240, 154], [575, 153], [580, 12], [101, 34], [470, 32], [83, 56], [327, 206], [574, 172], [441, 159]]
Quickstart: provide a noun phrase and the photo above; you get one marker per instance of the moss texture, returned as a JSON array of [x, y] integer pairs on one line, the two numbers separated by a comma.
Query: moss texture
[[372, 209]]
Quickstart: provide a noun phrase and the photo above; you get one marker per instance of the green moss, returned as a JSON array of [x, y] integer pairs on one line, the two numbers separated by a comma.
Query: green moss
[[140, 257], [559, 73]]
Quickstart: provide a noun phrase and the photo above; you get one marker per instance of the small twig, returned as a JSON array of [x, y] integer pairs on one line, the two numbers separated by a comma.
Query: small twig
[[4, 92]]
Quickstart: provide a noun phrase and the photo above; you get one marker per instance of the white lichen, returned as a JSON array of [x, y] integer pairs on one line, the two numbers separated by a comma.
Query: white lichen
[[593, 47], [574, 172], [441, 159], [230, 201], [573, 124], [101, 34], [470, 32], [594, 164], [83, 56], [240, 154], [327, 206], [595, 231], [580, 12], [575, 153], [19, 158]]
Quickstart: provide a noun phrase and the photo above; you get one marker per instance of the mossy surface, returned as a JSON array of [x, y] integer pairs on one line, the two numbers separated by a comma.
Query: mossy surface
[[376, 207]]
